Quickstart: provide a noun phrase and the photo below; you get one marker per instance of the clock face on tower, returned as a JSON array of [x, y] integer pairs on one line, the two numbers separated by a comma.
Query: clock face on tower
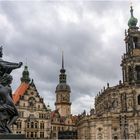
[[65, 97]]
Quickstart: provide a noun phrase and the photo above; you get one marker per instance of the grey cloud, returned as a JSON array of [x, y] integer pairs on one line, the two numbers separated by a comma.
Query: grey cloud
[[39, 31]]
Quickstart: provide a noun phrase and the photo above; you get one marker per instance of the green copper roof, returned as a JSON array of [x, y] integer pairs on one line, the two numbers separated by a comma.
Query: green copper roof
[[62, 86], [25, 75], [132, 21], [62, 76]]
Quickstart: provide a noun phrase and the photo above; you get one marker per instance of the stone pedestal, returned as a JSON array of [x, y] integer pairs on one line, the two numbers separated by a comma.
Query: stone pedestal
[[12, 136]]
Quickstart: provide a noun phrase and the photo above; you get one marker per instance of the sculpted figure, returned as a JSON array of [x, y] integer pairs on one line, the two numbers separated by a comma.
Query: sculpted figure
[[7, 67], [8, 111]]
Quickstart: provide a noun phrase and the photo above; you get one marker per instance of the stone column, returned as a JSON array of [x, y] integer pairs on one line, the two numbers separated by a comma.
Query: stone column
[[92, 130], [107, 130]]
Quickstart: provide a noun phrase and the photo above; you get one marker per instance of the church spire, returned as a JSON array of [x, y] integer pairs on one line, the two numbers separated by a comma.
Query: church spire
[[62, 61], [131, 11], [25, 75], [63, 104], [62, 69], [62, 76]]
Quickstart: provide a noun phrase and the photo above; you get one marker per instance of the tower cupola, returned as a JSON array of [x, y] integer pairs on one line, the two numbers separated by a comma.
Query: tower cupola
[[62, 79], [25, 75], [62, 76], [132, 21]]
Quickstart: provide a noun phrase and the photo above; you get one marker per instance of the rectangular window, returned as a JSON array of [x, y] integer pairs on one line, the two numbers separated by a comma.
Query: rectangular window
[[41, 125], [18, 124], [32, 124], [35, 125], [32, 134], [28, 125], [54, 128], [42, 115], [41, 134], [35, 134], [27, 134]]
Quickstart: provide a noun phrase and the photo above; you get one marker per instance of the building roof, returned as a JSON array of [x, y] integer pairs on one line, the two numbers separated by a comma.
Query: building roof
[[74, 118], [20, 91], [62, 119], [55, 114]]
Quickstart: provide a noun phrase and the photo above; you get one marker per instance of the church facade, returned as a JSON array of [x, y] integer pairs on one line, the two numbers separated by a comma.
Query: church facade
[[117, 109], [34, 116]]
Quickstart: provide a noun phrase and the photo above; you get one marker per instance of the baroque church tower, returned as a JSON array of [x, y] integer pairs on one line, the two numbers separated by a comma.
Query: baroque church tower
[[131, 59], [117, 108], [63, 104]]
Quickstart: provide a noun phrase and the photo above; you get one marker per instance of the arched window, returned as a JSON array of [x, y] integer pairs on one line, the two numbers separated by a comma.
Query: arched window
[[18, 124], [32, 134], [136, 45], [27, 135], [32, 124], [36, 125], [41, 125], [35, 134], [41, 134], [138, 99], [28, 125]]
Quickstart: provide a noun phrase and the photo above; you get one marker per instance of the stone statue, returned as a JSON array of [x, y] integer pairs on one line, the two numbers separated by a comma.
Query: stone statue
[[7, 67], [8, 111]]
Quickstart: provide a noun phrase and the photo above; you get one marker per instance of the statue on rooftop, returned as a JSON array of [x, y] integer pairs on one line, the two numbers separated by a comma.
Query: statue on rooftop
[[8, 111]]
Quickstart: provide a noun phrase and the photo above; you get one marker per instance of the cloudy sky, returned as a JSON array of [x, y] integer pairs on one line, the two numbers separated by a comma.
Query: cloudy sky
[[90, 33]]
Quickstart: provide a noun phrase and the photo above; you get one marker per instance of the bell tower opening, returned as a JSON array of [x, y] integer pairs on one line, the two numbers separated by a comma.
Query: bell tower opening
[[136, 45]]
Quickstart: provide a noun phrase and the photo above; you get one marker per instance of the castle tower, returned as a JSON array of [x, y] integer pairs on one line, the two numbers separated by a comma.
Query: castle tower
[[131, 59], [63, 90], [34, 116]]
